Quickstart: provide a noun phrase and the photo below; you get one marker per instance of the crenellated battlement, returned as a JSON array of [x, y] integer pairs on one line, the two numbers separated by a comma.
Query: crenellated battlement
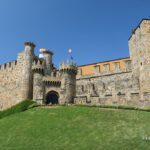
[[8, 66], [38, 65], [68, 67], [31, 44], [49, 80], [124, 81]]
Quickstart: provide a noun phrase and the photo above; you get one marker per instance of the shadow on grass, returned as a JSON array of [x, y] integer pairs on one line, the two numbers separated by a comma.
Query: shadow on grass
[[20, 107]]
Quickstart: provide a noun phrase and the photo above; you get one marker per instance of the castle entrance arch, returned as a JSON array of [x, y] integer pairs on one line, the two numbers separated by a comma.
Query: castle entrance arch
[[52, 97]]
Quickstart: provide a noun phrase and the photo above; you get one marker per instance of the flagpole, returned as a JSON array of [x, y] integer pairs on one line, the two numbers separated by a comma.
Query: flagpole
[[70, 52]]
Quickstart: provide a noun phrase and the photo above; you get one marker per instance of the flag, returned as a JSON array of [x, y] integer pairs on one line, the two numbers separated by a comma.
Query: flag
[[70, 50]]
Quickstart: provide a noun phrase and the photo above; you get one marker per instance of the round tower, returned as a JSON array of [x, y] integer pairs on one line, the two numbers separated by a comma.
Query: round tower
[[38, 88], [68, 82], [47, 55], [27, 77]]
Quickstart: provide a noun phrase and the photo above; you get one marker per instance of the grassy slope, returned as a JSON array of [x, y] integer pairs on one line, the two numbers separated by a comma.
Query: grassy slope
[[75, 128], [20, 107]]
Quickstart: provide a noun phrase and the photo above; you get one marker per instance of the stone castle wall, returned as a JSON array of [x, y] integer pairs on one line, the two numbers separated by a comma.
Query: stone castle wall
[[10, 83], [139, 44], [107, 89], [118, 82], [132, 88]]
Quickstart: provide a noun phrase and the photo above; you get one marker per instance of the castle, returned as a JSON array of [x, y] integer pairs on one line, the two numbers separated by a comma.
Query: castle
[[118, 82]]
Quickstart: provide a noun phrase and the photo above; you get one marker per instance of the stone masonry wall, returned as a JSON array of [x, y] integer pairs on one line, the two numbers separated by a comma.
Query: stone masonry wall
[[139, 45], [112, 89], [10, 83]]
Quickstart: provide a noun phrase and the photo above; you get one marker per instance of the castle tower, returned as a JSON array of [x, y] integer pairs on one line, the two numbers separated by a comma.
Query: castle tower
[[38, 88], [47, 55], [27, 77], [139, 44], [68, 82]]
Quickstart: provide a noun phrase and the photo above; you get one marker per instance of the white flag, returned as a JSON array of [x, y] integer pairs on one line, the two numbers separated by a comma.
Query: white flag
[[70, 50]]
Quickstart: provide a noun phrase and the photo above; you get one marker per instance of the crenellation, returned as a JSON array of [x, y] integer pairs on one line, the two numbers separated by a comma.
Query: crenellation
[[8, 66], [123, 81]]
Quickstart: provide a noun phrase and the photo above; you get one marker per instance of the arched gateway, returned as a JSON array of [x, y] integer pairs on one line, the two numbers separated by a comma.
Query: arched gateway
[[52, 97]]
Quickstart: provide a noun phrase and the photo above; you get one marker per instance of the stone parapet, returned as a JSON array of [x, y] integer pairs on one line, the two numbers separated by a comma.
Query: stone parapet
[[55, 81], [38, 66], [30, 44], [9, 65], [68, 67]]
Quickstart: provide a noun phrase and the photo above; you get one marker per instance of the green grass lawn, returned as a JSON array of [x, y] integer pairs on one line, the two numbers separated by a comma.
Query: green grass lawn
[[75, 128]]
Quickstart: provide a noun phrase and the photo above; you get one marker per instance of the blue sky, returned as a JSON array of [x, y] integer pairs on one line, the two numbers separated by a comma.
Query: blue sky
[[96, 30]]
